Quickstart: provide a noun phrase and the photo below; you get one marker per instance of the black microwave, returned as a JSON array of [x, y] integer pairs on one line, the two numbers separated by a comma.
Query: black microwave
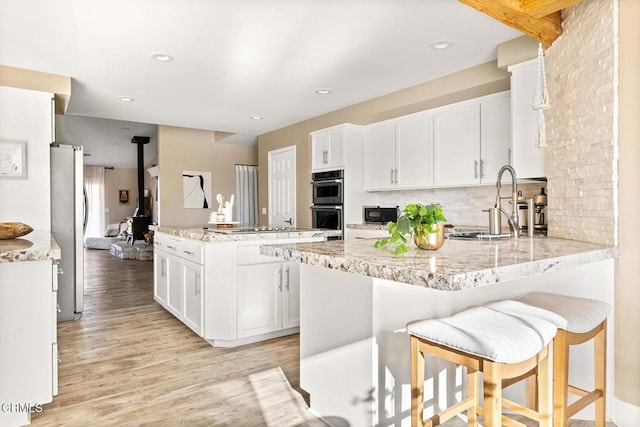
[[379, 215]]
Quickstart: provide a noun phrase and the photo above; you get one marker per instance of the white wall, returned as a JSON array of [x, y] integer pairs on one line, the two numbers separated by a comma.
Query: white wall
[[25, 115]]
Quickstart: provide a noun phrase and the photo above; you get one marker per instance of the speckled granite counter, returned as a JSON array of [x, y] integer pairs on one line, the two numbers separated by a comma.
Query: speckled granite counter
[[35, 246], [459, 264], [367, 226], [225, 235]]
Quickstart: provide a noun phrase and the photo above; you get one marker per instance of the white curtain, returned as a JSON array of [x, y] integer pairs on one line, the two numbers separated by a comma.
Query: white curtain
[[94, 188], [246, 200]]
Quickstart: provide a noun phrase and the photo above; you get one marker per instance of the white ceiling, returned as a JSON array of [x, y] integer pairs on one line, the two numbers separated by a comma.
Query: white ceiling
[[237, 58]]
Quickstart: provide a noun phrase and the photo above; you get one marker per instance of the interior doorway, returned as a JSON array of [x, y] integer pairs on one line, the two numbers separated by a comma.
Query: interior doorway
[[282, 187]]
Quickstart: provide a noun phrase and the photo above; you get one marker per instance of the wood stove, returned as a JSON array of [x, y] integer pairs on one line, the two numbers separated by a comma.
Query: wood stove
[[138, 224]]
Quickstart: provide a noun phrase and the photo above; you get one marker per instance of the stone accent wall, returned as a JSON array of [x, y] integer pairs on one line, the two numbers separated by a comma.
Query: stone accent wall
[[581, 158]]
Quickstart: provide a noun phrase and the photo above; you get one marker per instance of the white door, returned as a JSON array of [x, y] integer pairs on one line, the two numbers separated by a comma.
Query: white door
[[414, 151], [380, 156], [495, 142], [259, 299], [282, 187]]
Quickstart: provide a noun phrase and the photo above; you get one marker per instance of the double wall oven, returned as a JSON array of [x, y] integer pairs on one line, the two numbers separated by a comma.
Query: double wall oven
[[328, 199]]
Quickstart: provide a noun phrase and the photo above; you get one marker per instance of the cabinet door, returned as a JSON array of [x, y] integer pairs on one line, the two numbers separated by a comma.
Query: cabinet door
[[174, 286], [327, 150], [259, 299], [379, 156], [526, 157], [495, 128], [414, 151], [457, 146], [291, 295], [160, 277], [193, 299]]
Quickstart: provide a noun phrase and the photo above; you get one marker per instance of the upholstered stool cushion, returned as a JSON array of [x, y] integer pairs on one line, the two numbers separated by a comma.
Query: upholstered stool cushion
[[515, 307], [488, 333], [581, 314]]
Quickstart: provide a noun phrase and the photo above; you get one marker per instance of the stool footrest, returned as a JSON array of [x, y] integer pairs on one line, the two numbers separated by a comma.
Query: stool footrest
[[583, 402], [520, 409], [577, 391], [452, 411]]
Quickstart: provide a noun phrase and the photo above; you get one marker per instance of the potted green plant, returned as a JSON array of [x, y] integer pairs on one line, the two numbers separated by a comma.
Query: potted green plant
[[424, 222]]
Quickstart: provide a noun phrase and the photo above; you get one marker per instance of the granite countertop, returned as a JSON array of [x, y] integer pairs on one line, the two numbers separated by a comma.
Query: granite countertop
[[35, 246], [458, 264], [360, 226], [223, 235]]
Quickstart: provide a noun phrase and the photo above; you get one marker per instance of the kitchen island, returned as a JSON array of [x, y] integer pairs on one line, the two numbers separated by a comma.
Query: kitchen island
[[217, 283], [28, 334], [356, 300]]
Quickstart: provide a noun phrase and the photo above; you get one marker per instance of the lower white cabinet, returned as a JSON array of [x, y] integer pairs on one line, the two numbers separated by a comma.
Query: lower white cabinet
[[178, 280], [226, 291], [268, 298]]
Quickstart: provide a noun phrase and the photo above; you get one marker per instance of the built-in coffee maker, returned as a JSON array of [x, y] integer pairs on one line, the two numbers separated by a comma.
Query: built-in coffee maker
[[540, 214]]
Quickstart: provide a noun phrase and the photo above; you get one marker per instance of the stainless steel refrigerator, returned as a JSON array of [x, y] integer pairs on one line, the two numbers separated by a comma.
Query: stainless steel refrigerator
[[67, 226]]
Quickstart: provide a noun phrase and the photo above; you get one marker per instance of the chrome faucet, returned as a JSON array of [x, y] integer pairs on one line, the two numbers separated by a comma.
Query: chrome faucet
[[513, 220]]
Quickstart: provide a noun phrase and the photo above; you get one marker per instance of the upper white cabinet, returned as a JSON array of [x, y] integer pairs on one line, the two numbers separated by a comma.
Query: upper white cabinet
[[399, 153], [472, 141], [457, 145], [527, 158], [327, 149]]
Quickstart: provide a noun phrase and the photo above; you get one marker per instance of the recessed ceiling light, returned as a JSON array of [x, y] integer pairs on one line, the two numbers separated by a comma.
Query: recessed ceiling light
[[115, 144], [256, 117], [323, 91], [161, 57], [124, 129], [86, 155], [126, 99], [441, 44]]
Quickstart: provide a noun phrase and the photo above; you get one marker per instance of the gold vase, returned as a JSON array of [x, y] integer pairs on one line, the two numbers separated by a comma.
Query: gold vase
[[431, 241]]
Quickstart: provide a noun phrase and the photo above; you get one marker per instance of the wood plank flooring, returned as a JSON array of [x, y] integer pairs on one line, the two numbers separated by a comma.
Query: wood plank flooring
[[128, 362]]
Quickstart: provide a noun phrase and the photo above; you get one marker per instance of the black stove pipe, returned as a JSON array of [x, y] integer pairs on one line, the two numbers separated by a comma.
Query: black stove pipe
[[141, 141]]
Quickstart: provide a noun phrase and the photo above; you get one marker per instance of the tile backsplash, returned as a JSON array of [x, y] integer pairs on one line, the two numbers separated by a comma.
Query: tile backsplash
[[462, 205]]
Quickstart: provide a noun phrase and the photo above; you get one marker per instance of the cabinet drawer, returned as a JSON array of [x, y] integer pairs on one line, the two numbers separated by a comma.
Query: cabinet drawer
[[246, 255], [172, 245], [193, 251]]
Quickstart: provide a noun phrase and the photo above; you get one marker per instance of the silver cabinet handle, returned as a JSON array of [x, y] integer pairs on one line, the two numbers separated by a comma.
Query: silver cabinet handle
[[163, 267], [395, 176], [189, 252], [481, 168], [510, 156], [280, 278], [173, 248], [287, 285], [325, 156], [197, 284], [391, 176], [475, 168]]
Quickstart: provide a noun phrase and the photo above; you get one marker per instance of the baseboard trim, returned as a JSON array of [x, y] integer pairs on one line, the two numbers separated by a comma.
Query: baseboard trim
[[625, 414]]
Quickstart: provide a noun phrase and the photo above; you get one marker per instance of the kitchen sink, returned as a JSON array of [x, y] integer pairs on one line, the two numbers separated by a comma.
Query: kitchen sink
[[475, 235]]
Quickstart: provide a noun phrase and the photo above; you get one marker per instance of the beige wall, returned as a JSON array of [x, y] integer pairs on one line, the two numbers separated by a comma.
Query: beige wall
[[36, 80], [115, 180], [473, 82], [628, 263], [181, 149]]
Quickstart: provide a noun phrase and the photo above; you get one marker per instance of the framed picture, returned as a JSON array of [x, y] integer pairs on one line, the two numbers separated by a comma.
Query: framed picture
[[196, 189], [13, 159], [123, 197]]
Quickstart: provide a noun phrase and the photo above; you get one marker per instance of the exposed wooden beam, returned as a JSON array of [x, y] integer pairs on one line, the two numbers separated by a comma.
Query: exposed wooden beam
[[512, 13], [540, 8]]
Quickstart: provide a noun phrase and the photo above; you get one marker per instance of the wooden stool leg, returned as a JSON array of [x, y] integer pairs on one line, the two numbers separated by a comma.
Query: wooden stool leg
[[560, 378], [600, 359], [417, 383], [492, 382], [473, 389], [543, 403]]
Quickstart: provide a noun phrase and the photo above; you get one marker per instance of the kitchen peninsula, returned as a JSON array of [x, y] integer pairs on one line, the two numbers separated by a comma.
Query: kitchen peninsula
[[217, 283], [356, 300]]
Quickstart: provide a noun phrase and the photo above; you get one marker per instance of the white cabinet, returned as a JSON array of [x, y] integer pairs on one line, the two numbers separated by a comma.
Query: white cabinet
[[192, 313], [327, 149], [178, 279], [527, 158], [399, 153], [268, 298], [457, 145], [471, 141], [28, 337]]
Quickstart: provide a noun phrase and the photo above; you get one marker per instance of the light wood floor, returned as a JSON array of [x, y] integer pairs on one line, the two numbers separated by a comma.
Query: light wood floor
[[128, 362]]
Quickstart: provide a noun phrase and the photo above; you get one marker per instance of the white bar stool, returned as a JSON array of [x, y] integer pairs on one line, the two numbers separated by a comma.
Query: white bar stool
[[586, 319], [498, 344]]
